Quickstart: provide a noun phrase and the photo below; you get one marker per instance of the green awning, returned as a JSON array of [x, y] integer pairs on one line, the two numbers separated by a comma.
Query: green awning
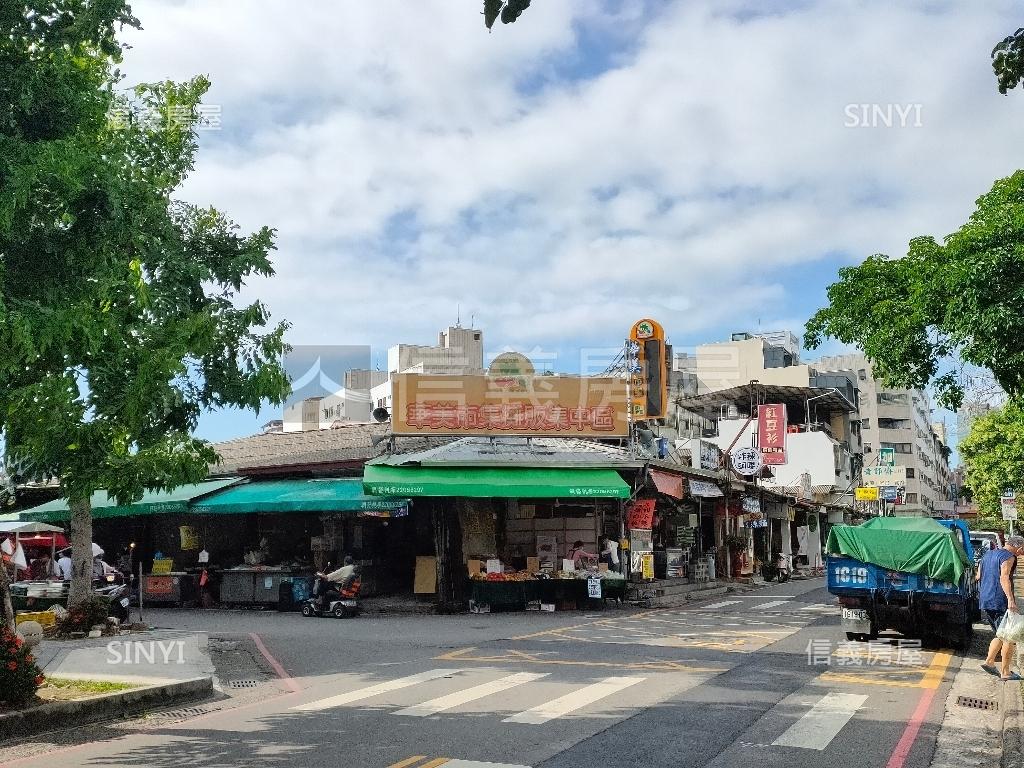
[[525, 483], [151, 503], [332, 495]]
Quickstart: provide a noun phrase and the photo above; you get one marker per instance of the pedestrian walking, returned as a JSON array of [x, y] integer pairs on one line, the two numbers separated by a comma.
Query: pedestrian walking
[[995, 588]]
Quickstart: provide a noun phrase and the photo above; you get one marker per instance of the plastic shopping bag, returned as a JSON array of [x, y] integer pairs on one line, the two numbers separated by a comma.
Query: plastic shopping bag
[[1011, 627]]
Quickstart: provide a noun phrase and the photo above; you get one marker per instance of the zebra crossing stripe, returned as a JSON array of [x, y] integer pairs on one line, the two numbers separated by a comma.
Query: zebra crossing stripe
[[573, 701], [720, 605], [375, 690], [773, 604], [458, 698], [823, 722]]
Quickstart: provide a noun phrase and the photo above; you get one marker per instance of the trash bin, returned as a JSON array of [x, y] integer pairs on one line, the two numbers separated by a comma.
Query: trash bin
[[285, 598]]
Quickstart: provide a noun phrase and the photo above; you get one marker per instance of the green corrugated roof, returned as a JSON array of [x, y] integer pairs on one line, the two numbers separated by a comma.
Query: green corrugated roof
[[151, 503], [328, 495], [526, 483]]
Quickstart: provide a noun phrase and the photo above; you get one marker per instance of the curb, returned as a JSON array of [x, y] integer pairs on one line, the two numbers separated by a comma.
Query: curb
[[1012, 726], [107, 706]]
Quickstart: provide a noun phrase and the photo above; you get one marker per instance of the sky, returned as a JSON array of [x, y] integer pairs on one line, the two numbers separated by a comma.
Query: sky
[[710, 164]]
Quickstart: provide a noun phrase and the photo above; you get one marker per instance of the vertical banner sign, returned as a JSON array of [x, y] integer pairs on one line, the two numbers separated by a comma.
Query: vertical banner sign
[[648, 379], [771, 433], [640, 514]]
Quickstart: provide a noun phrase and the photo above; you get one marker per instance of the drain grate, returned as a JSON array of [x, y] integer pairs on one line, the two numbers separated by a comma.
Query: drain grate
[[973, 703], [243, 683], [181, 714]]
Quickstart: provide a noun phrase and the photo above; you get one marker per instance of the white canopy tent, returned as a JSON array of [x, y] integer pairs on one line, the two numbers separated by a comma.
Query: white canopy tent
[[25, 527]]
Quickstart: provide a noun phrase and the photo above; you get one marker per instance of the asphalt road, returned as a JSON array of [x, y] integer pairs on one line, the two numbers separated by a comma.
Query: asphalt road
[[759, 679]]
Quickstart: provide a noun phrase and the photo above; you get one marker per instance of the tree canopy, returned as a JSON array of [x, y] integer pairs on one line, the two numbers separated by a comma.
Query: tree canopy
[[993, 455], [959, 300], [507, 10], [1008, 61], [120, 319]]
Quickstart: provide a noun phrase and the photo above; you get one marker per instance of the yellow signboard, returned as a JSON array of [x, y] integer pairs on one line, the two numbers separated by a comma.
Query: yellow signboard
[[866, 494], [515, 405]]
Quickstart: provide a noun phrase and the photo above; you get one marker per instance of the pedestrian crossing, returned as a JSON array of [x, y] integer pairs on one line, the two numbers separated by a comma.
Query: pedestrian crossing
[[446, 690]]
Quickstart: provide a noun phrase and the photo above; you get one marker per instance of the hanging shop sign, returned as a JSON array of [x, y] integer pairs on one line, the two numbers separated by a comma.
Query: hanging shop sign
[[806, 489], [880, 477], [569, 406], [747, 460], [887, 457], [648, 379], [704, 489], [866, 494], [751, 504], [771, 433], [640, 514], [710, 455]]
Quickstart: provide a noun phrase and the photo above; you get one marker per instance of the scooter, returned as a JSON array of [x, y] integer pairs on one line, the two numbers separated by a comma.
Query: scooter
[[117, 591], [341, 605]]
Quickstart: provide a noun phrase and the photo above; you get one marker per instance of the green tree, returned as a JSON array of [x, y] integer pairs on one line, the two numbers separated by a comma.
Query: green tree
[[119, 312], [961, 299], [1008, 61], [507, 10], [993, 455]]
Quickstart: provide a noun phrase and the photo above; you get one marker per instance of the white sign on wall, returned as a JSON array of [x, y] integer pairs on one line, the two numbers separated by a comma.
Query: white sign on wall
[[747, 461], [882, 477]]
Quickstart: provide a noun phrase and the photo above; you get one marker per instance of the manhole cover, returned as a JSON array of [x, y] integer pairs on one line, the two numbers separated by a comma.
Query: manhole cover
[[973, 703], [243, 683]]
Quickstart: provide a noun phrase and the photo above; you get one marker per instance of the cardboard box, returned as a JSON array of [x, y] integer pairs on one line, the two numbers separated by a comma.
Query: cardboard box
[[474, 567], [602, 567], [533, 565]]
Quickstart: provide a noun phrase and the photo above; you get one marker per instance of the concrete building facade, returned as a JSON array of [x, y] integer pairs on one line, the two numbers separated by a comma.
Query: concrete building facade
[[901, 420]]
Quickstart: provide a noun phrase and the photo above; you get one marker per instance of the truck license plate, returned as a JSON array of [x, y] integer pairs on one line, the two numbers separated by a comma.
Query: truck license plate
[[855, 614]]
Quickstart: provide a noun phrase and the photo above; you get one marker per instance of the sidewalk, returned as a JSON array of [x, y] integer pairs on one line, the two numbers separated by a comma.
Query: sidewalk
[[154, 657]]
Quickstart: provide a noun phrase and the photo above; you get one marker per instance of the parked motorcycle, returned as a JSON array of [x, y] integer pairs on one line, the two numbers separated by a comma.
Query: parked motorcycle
[[117, 590]]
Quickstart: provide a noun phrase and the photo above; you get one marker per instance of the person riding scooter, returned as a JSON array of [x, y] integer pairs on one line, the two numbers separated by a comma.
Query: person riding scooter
[[332, 586]]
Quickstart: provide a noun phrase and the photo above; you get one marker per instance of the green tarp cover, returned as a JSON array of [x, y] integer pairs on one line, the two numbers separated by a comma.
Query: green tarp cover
[[151, 503], [328, 495], [479, 482], [911, 544]]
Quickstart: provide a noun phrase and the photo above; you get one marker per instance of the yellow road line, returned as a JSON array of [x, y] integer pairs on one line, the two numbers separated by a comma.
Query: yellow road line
[[580, 626], [931, 679], [408, 761], [936, 670], [526, 658], [435, 763]]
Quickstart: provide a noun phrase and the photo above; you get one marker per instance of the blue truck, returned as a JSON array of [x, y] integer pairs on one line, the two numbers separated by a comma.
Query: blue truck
[[874, 597]]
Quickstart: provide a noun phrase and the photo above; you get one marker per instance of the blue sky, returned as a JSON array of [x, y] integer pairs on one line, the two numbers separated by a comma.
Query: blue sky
[[594, 163]]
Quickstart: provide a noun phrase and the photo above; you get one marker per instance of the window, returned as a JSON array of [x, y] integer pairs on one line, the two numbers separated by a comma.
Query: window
[[900, 447], [894, 423], [911, 498], [910, 473], [893, 398], [865, 423]]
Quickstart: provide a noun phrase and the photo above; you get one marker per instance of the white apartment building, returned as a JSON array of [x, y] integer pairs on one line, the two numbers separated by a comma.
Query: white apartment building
[[900, 419], [459, 351]]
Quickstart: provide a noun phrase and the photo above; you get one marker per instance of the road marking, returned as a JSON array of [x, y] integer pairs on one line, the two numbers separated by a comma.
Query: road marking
[[408, 761], [375, 690], [719, 605], [435, 763], [475, 764], [512, 656], [563, 705], [824, 721], [773, 604], [931, 679], [458, 698], [279, 670]]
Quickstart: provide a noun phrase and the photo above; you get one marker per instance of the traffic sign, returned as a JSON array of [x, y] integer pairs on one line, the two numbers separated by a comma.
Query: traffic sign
[[1009, 509]]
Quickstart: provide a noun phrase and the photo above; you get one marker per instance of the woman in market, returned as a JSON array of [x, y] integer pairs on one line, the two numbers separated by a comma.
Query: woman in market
[[577, 553]]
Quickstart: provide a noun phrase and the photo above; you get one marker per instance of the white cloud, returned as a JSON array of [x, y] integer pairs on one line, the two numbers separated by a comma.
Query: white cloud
[[408, 168]]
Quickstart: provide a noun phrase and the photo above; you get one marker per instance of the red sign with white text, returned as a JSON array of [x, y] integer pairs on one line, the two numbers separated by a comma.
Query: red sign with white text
[[640, 514], [771, 433]]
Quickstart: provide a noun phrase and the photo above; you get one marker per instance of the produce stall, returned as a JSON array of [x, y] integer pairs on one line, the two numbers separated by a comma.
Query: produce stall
[[565, 590]]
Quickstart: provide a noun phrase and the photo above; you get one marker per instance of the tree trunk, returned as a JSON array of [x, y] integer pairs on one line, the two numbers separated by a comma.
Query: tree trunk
[[81, 551], [6, 608]]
